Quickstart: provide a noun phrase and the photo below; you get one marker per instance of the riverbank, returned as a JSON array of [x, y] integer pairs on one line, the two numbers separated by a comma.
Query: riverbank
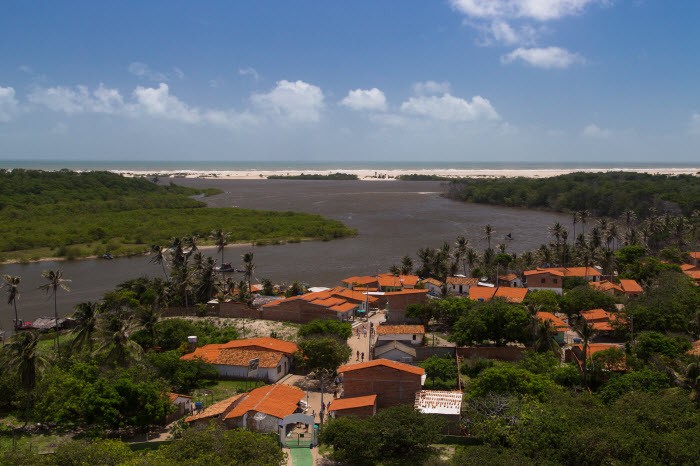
[[393, 174]]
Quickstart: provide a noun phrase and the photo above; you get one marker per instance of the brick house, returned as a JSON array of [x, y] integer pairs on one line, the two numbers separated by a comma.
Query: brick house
[[359, 406], [560, 326], [432, 285], [510, 280], [407, 334], [397, 301], [393, 383], [460, 285], [552, 278], [485, 293], [631, 288], [305, 308], [608, 287], [262, 409]]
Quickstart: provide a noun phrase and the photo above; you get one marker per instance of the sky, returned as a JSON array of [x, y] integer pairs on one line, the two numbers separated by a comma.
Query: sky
[[393, 80]]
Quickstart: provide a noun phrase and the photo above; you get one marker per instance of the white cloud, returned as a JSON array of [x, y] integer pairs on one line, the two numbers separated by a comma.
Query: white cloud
[[546, 57], [8, 103], [431, 87], [501, 32], [250, 71], [361, 99], [450, 108], [540, 10], [78, 100], [695, 123], [159, 102], [179, 73], [594, 132], [296, 100], [144, 71]]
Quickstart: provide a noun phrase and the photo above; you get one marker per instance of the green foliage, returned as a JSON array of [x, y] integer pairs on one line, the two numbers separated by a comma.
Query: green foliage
[[508, 379], [171, 333], [603, 194], [393, 434], [84, 452], [342, 330], [585, 298], [294, 290], [449, 310], [570, 283], [542, 300], [473, 368], [495, 321], [182, 376], [671, 304], [322, 355], [647, 270], [649, 343], [646, 380], [303, 176], [59, 209], [443, 369]]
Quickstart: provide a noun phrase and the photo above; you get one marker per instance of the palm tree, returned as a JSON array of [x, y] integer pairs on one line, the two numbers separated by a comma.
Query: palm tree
[[586, 332], [248, 267], [584, 215], [192, 241], [86, 316], [488, 231], [12, 282], [471, 258], [177, 250], [159, 257], [55, 282], [595, 239], [612, 234], [185, 283], [501, 247], [23, 357], [147, 319], [462, 246], [574, 218], [406, 265], [545, 340], [220, 238], [115, 343]]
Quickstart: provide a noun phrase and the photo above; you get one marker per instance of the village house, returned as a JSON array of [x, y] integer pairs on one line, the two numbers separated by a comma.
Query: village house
[[358, 406], [447, 405], [397, 301], [262, 409], [183, 405], [407, 334], [631, 288], [307, 307], [394, 383], [231, 359], [601, 320], [485, 293], [560, 326], [216, 412], [552, 278], [432, 285], [607, 287], [511, 280], [382, 282], [394, 351], [460, 285]]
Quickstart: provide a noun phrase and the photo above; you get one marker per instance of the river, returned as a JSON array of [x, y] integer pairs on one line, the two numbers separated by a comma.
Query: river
[[393, 218]]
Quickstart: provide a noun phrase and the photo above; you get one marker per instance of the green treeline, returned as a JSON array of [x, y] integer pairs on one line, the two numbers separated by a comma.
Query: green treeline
[[103, 212], [304, 176], [602, 194]]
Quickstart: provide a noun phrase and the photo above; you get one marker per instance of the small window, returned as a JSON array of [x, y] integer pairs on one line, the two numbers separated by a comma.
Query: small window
[[414, 337], [542, 280], [556, 281], [279, 369]]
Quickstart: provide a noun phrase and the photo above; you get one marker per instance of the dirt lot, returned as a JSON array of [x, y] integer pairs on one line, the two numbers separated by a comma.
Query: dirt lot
[[251, 328]]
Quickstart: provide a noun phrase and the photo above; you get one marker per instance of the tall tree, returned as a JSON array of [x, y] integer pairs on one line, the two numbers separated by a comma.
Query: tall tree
[[323, 356], [248, 267], [86, 316], [12, 283], [159, 257], [220, 238], [55, 282], [115, 341], [24, 357], [488, 231], [406, 265], [586, 332]]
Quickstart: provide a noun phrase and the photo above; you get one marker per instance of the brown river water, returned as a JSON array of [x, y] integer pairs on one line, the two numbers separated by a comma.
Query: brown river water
[[393, 218]]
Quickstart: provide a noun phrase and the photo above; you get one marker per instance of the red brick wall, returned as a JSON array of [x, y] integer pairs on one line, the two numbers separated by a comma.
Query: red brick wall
[[500, 353], [397, 306], [361, 412], [392, 387], [550, 281], [298, 311]]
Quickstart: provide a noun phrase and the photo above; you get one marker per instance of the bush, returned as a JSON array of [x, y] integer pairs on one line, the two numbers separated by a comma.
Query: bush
[[508, 379], [326, 327], [649, 343], [645, 380], [473, 368]]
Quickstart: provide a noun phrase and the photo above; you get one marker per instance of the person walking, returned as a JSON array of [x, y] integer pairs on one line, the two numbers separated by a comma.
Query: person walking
[[363, 356], [358, 356]]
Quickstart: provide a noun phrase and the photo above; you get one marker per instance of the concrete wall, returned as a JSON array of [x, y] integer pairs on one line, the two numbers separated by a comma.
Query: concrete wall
[[406, 339], [395, 355], [396, 307], [268, 374], [392, 386]]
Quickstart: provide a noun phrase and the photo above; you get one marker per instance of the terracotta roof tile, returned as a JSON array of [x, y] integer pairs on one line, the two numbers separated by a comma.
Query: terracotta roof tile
[[399, 329], [216, 409], [581, 272], [596, 315], [631, 286], [351, 294], [470, 281], [510, 294], [559, 324], [174, 396], [264, 343], [387, 279], [344, 307], [695, 350], [241, 357], [432, 281], [405, 291], [509, 277], [481, 292], [382, 362], [206, 353], [366, 280], [275, 400], [354, 402], [539, 270]]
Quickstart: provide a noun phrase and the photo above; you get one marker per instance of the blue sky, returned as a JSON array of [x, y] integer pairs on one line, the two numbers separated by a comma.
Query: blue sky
[[452, 80]]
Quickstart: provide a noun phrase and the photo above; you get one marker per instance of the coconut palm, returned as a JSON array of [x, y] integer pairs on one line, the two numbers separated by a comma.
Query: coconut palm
[[12, 284], [55, 283], [406, 265], [581, 241], [191, 242], [86, 316], [207, 280], [595, 239], [23, 357], [501, 247], [584, 215], [115, 344], [184, 283], [489, 231], [248, 267], [612, 234], [545, 338], [586, 332], [574, 218], [220, 238], [147, 318], [159, 257], [629, 217], [462, 245], [177, 250], [557, 230]]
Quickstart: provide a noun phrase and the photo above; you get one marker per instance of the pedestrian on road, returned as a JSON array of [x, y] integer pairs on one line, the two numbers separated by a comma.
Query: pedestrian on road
[[363, 356], [358, 355], [328, 405], [364, 331]]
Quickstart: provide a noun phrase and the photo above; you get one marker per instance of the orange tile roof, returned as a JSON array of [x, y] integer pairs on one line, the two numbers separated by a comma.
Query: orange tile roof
[[404, 291], [539, 270], [581, 272], [366, 280], [694, 274], [206, 353], [315, 296], [631, 286], [241, 357], [594, 348], [382, 362], [400, 329], [339, 291], [512, 295], [265, 343], [605, 286], [596, 315], [509, 277], [275, 400], [685, 267], [695, 350], [175, 396], [256, 288], [216, 409], [481, 292], [389, 280], [462, 281], [432, 281], [344, 307], [559, 324], [602, 326], [354, 402], [328, 302]]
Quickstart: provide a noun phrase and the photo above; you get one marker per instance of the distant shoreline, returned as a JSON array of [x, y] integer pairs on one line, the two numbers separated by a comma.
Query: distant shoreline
[[391, 174]]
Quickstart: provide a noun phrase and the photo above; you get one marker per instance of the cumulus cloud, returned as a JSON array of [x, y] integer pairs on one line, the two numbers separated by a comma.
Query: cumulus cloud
[[499, 31], [546, 57], [540, 10], [431, 87], [8, 103], [296, 100], [361, 99], [250, 71], [594, 132], [159, 102], [694, 123], [78, 100], [450, 108], [144, 71]]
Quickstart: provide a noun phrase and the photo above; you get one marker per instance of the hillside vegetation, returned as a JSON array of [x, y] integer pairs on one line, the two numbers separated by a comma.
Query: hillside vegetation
[[78, 214], [602, 194]]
